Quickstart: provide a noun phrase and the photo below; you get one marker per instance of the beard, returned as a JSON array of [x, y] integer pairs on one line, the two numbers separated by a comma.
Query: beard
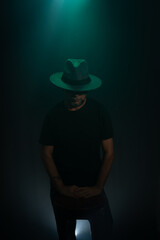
[[74, 102]]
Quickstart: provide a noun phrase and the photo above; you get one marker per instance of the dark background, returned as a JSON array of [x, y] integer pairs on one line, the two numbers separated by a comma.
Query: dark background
[[120, 41]]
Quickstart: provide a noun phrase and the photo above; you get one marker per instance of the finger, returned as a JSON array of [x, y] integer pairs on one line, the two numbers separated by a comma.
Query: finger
[[75, 187], [80, 190], [84, 194], [83, 188]]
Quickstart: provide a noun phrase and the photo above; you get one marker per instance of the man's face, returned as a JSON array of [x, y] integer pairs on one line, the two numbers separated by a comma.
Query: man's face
[[75, 99]]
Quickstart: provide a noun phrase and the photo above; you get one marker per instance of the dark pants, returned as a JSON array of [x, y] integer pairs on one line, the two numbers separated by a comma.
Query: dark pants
[[100, 220]]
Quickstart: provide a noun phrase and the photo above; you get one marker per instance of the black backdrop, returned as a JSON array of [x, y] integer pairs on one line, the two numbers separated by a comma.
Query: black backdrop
[[120, 41]]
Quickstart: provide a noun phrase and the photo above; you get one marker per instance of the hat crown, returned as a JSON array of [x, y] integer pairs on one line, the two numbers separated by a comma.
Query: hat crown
[[75, 77], [76, 69]]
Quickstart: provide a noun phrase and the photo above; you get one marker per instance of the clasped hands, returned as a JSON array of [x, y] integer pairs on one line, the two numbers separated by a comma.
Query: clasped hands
[[80, 192]]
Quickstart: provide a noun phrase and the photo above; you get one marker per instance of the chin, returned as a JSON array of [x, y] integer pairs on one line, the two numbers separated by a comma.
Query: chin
[[76, 103]]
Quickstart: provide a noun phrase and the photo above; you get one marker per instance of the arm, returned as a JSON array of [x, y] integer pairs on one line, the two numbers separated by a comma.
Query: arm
[[107, 162], [47, 158], [104, 171]]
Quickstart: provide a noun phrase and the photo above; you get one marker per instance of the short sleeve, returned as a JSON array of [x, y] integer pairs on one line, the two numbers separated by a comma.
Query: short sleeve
[[47, 131], [106, 129]]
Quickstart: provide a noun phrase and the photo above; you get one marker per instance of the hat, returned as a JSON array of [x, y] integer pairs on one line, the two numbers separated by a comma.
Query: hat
[[75, 77]]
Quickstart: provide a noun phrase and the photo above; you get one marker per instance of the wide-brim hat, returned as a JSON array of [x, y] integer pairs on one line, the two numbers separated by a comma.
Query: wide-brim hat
[[75, 77]]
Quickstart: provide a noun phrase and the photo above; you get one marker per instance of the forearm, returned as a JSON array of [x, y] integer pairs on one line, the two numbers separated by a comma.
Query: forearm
[[52, 171], [95, 190], [104, 171]]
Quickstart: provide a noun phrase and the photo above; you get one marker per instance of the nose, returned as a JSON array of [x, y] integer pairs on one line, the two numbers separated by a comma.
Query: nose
[[74, 95]]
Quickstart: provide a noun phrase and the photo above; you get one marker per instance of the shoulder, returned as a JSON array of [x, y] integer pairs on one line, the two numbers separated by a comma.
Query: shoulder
[[52, 113], [95, 104], [58, 107], [101, 111]]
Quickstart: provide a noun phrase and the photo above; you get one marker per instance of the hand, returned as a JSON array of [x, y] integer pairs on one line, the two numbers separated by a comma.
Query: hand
[[69, 191], [86, 192]]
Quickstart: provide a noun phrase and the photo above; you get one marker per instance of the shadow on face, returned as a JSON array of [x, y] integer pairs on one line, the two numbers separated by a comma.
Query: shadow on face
[[75, 98], [75, 94]]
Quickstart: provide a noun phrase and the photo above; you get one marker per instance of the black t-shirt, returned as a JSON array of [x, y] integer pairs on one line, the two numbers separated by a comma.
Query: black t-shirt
[[77, 137]]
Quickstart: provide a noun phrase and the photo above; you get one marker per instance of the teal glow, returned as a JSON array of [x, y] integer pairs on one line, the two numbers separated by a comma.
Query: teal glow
[[75, 8], [76, 3]]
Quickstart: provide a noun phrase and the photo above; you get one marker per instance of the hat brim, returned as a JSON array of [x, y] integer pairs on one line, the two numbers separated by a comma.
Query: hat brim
[[56, 79]]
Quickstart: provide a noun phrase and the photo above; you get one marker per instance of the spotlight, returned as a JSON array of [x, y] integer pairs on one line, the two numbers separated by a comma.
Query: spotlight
[[83, 230]]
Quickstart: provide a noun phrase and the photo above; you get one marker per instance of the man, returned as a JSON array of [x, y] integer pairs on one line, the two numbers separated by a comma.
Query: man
[[77, 150]]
